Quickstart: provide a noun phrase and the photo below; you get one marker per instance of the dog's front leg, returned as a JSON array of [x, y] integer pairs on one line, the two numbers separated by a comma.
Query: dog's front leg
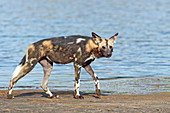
[[77, 81], [95, 78]]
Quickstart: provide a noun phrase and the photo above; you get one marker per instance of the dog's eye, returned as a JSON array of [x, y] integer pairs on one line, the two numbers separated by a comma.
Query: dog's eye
[[110, 47], [103, 47]]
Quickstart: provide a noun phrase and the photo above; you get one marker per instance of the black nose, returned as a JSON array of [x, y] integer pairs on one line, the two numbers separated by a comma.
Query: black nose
[[108, 54]]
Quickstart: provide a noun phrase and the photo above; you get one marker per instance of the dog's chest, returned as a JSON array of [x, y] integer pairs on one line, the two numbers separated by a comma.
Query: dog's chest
[[88, 60]]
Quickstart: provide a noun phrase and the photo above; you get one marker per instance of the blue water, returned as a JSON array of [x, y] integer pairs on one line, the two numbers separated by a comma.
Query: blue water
[[142, 48]]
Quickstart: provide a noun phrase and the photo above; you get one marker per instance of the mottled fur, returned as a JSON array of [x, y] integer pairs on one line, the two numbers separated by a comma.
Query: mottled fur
[[81, 50]]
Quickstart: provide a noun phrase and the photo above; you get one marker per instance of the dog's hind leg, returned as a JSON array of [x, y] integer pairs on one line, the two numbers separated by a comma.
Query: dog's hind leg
[[47, 67], [21, 71]]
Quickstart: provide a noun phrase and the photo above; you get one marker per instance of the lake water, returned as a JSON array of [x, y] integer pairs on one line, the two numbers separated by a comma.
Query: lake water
[[142, 48]]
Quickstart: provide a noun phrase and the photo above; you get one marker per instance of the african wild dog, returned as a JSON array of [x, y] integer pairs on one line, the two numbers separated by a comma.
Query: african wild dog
[[81, 50]]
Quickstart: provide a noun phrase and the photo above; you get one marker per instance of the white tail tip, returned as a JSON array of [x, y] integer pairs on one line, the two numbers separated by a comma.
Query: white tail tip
[[17, 70]]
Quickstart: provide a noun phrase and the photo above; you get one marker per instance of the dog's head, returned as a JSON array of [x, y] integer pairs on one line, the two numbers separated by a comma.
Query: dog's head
[[105, 46]]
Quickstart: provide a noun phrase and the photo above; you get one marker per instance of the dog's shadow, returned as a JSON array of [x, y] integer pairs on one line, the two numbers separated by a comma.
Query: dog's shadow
[[60, 93], [28, 94], [42, 94]]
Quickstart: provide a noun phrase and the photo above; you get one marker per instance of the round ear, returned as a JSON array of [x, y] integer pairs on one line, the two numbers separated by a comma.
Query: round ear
[[113, 38], [97, 39]]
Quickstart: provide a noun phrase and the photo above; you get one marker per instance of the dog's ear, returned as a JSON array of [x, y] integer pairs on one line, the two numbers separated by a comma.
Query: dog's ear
[[113, 38], [97, 39]]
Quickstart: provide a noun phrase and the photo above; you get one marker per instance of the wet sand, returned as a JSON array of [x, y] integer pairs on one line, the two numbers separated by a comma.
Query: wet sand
[[27, 101]]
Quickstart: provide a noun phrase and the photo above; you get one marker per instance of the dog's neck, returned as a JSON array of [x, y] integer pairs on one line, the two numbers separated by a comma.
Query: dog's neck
[[92, 47], [97, 53]]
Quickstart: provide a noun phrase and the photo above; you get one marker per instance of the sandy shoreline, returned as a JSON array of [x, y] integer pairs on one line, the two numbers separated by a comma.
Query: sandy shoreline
[[36, 101]]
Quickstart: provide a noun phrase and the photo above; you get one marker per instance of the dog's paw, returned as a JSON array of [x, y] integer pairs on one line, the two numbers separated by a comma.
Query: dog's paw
[[98, 92], [9, 96], [78, 97], [54, 97]]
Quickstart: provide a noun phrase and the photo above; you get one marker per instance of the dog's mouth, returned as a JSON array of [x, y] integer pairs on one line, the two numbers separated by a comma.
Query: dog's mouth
[[108, 56]]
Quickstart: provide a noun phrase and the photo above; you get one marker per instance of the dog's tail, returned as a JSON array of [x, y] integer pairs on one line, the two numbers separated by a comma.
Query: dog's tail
[[19, 67]]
